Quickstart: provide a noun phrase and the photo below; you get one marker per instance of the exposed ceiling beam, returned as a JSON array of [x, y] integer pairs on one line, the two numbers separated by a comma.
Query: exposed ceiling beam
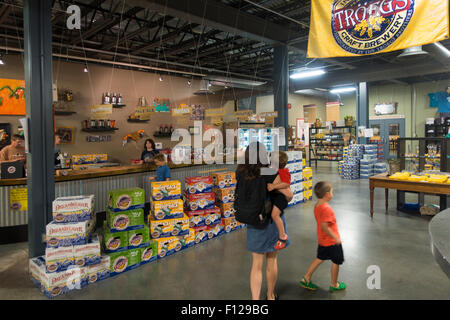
[[379, 72], [4, 12]]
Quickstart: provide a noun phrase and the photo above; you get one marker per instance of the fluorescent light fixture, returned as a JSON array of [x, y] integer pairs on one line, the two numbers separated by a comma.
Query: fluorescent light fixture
[[342, 90], [307, 73]]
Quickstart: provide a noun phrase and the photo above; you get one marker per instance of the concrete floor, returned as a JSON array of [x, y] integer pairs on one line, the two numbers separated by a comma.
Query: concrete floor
[[396, 242]]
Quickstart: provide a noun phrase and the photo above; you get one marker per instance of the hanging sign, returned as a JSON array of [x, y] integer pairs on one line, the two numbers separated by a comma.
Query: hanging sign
[[182, 109], [215, 112], [101, 111], [341, 28]]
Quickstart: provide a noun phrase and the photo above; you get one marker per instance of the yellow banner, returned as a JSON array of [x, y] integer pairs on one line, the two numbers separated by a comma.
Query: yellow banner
[[101, 111], [341, 28]]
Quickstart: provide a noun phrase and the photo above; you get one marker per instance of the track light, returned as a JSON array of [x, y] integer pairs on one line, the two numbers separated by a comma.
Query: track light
[[85, 69], [160, 78], [189, 83], [1, 60]]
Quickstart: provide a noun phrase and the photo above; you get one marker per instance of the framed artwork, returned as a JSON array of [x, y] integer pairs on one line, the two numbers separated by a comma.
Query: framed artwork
[[12, 97], [66, 134]]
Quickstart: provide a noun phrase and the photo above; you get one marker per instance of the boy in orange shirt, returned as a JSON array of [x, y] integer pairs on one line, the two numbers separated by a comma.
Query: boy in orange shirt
[[330, 245]]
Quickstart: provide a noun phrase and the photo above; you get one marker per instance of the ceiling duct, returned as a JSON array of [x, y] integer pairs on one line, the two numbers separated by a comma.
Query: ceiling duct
[[412, 53], [204, 88], [233, 82]]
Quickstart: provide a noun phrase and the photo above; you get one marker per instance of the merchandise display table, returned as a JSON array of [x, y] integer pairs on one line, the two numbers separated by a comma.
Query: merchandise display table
[[382, 181], [440, 246]]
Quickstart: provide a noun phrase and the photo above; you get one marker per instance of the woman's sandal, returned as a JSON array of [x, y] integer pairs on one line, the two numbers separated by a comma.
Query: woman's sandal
[[308, 285], [281, 244], [341, 287]]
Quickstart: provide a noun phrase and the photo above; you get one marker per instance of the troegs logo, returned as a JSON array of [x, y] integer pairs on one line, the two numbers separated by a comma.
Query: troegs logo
[[367, 27]]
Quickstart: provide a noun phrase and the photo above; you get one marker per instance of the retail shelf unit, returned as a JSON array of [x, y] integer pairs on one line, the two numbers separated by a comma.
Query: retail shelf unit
[[419, 151], [436, 130], [327, 144]]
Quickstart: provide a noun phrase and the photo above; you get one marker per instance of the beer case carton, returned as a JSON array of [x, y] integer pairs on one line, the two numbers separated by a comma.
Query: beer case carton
[[296, 177], [68, 234], [82, 158], [168, 227], [149, 253], [100, 270], [227, 209], [199, 201], [125, 220], [297, 187], [87, 254], [166, 246], [56, 283], [204, 217], [99, 157], [187, 240], [224, 179], [298, 166], [217, 230], [126, 199], [73, 209], [199, 184], [165, 190], [114, 241], [307, 184], [58, 259], [139, 238], [229, 224], [291, 167], [167, 209], [203, 233], [225, 195], [119, 262], [134, 258]]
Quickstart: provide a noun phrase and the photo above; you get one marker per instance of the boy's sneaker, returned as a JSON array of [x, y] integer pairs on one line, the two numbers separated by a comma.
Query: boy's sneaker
[[341, 287], [281, 244]]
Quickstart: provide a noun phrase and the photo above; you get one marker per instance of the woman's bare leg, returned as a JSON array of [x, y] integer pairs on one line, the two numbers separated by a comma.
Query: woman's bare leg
[[256, 275], [271, 273]]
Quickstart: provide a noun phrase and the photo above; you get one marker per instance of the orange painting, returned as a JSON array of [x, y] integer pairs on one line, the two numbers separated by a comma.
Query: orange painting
[[12, 97]]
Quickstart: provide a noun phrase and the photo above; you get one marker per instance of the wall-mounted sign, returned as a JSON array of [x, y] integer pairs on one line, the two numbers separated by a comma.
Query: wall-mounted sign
[[143, 113], [182, 109], [18, 199], [65, 134], [386, 108], [12, 97], [215, 112], [273, 114], [98, 138], [101, 111]]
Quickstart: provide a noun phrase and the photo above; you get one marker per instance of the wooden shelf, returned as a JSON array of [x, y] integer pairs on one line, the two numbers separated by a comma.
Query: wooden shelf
[[162, 135], [137, 120], [99, 129], [64, 113]]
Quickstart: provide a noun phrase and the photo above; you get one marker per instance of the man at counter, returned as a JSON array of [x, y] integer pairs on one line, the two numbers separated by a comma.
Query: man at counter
[[15, 151]]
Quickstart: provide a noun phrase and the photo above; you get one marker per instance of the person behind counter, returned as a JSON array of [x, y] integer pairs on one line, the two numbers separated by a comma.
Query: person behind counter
[[15, 151], [163, 171], [149, 151]]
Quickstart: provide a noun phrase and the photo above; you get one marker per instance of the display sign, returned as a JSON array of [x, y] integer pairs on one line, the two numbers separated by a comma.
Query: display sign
[[182, 109], [341, 28], [143, 113], [273, 114], [18, 199], [386, 108], [101, 111], [215, 112]]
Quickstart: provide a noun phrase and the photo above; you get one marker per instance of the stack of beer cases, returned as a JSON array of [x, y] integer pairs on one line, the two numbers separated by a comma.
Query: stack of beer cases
[[72, 256], [307, 183], [295, 166], [125, 235], [224, 187], [169, 226], [200, 207]]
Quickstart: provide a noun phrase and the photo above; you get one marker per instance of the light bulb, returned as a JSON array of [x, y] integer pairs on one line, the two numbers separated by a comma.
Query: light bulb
[[85, 69], [160, 78]]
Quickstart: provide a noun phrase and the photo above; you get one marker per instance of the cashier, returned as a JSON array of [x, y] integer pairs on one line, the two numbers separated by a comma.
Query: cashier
[[149, 151], [15, 151]]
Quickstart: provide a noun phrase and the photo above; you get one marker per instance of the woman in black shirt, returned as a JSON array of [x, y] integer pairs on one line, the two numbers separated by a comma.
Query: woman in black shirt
[[149, 151]]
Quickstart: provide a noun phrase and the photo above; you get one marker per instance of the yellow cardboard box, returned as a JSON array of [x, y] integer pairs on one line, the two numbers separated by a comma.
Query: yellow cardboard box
[[165, 190], [168, 227], [167, 209]]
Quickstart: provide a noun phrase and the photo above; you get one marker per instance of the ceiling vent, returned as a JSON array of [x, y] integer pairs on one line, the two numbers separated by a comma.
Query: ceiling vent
[[412, 53]]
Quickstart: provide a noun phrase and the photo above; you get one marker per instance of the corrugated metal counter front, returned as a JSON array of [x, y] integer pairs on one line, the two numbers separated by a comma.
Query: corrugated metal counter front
[[99, 186]]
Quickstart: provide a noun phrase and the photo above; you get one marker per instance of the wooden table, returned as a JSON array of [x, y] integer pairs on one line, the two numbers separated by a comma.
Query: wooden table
[[382, 181]]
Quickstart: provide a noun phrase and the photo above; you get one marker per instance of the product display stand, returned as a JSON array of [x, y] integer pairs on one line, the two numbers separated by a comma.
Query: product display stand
[[327, 144]]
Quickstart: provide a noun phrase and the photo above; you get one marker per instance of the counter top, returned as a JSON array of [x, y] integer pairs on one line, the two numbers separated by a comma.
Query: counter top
[[99, 172], [440, 245]]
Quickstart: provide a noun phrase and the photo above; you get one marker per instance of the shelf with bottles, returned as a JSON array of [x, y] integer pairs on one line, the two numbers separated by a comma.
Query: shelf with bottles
[[115, 99], [165, 131]]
